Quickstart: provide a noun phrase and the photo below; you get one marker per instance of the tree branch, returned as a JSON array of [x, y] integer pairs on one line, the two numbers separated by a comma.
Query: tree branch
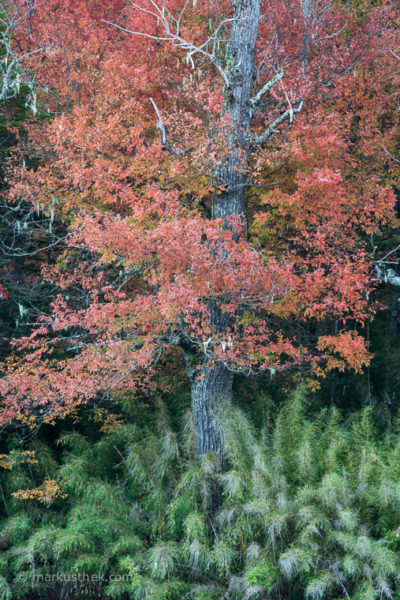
[[265, 88], [176, 38], [163, 135], [390, 155], [388, 276], [271, 129]]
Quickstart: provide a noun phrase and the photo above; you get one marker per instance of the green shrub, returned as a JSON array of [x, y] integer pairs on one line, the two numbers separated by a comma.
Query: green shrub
[[310, 510]]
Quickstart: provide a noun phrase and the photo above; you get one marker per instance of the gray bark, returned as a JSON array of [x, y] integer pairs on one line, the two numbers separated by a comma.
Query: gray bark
[[214, 383], [241, 71], [210, 389]]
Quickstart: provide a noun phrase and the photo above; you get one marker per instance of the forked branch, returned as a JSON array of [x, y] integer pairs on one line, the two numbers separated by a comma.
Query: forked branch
[[288, 115], [172, 29]]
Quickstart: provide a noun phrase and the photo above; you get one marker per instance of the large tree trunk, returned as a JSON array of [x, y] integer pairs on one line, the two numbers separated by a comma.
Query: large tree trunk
[[214, 383], [210, 389]]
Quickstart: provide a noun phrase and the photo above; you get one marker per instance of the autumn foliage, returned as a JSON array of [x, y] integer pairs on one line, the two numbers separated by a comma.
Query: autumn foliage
[[145, 261]]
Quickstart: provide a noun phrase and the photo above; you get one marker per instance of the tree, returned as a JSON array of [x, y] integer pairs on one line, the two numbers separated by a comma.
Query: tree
[[164, 250], [27, 237]]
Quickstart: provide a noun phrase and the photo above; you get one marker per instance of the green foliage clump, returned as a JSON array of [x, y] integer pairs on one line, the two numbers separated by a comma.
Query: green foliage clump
[[308, 510], [263, 574]]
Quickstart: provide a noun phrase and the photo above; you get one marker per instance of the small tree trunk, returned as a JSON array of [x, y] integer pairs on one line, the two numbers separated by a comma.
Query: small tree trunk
[[210, 388]]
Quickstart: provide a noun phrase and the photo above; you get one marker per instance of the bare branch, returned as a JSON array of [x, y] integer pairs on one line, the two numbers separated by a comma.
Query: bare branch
[[265, 88], [174, 36], [147, 35], [390, 155], [388, 276], [11, 72], [163, 135], [271, 129], [389, 254]]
